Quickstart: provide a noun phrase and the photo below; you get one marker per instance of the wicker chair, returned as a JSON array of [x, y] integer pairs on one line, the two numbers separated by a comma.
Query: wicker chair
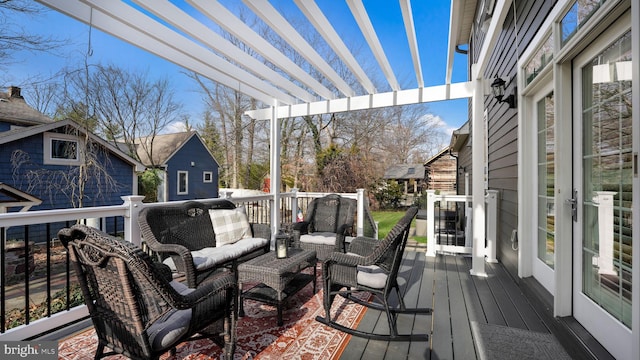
[[182, 236], [136, 309], [328, 221], [371, 266]]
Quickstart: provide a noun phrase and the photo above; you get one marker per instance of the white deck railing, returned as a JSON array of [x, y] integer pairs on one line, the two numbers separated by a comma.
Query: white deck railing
[[491, 201], [128, 211]]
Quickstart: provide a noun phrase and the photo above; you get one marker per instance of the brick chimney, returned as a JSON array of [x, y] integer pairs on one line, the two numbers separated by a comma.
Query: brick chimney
[[14, 92]]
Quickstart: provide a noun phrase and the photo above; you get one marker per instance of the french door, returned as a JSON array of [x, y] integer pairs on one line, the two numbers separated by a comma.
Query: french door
[[544, 245], [602, 177]]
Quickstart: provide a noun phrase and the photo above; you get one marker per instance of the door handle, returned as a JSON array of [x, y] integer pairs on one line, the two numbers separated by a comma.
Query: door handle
[[573, 202]]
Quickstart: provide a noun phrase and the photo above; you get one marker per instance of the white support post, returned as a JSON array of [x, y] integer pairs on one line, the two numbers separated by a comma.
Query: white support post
[[492, 225], [294, 205], [477, 186], [131, 227], [360, 213], [431, 234], [274, 137]]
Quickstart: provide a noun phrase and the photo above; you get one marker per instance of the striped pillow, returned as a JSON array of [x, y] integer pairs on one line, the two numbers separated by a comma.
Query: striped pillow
[[229, 225]]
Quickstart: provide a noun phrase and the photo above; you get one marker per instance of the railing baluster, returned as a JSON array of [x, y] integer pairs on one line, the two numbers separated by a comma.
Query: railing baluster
[[26, 274], [3, 280]]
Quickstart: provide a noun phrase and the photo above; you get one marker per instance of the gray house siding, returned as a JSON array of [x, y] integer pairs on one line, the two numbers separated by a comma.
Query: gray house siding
[[193, 151], [502, 124]]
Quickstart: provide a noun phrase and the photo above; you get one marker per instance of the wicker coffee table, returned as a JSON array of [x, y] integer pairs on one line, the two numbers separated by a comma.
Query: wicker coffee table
[[278, 278]]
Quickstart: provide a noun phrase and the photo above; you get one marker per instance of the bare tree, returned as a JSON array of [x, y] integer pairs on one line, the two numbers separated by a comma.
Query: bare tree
[[14, 37], [128, 107], [81, 184]]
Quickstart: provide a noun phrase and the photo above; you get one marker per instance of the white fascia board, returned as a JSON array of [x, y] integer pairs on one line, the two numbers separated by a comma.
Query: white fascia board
[[181, 20], [140, 22], [322, 25], [227, 20], [407, 16], [492, 35], [393, 98], [282, 27], [362, 18], [455, 17]]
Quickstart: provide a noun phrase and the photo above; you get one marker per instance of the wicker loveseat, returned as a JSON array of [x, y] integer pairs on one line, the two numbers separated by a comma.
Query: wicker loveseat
[[184, 237]]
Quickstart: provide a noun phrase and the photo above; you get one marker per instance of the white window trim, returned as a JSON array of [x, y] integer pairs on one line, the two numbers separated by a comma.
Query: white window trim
[[186, 173], [48, 138], [204, 176]]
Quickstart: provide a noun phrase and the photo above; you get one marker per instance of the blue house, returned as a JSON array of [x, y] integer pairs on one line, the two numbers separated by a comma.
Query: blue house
[[188, 169], [43, 158]]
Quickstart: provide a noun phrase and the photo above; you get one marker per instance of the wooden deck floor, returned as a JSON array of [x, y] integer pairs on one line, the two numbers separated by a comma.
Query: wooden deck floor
[[457, 298]]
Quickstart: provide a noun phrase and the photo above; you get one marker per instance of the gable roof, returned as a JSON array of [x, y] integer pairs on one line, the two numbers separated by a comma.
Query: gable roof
[[14, 109], [404, 171], [10, 197], [164, 147], [437, 156], [458, 137], [21, 133]]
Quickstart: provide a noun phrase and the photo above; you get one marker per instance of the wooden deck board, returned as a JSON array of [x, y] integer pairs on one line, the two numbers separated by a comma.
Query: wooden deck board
[[508, 310], [531, 319], [463, 347], [441, 340], [409, 288], [444, 283], [490, 308]]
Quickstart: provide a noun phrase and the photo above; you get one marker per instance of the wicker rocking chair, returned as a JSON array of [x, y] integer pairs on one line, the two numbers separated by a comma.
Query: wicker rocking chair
[[371, 266], [136, 309], [328, 221]]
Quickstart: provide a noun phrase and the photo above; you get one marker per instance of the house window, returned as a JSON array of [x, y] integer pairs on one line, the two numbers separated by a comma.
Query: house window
[[546, 180], [541, 58], [183, 182], [61, 149], [576, 17], [207, 176]]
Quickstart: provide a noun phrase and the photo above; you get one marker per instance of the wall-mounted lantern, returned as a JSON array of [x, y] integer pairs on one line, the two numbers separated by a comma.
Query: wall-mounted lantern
[[497, 86]]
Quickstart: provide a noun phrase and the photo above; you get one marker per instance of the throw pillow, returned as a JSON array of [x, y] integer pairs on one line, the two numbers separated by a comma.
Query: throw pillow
[[229, 225]]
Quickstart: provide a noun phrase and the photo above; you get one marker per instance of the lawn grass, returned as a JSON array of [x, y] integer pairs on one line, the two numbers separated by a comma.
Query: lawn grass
[[387, 219]]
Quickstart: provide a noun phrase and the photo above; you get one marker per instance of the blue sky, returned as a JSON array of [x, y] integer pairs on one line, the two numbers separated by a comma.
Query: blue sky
[[431, 23]]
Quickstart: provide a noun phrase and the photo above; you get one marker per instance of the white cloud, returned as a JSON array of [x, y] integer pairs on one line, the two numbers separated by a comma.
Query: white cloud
[[174, 127], [436, 119]]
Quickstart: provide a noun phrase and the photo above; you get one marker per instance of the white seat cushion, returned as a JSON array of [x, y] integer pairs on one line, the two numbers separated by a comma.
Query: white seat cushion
[[209, 257], [324, 238], [371, 276]]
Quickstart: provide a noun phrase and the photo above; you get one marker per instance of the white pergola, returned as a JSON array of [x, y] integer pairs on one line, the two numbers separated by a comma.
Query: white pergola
[[167, 30]]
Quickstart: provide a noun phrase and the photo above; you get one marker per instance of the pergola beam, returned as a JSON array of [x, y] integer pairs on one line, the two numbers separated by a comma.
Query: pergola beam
[[313, 13], [187, 24], [281, 26], [393, 98], [362, 18], [407, 16], [232, 24], [134, 36], [455, 16], [143, 23]]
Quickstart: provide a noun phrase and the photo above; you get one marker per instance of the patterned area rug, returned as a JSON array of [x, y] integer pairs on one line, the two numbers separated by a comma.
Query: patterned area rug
[[258, 335]]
